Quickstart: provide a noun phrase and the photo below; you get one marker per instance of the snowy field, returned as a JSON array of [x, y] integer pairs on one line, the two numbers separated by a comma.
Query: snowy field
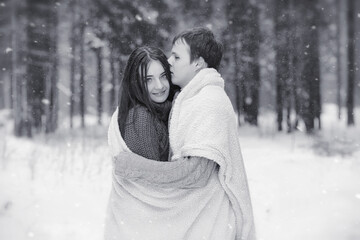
[[303, 188]]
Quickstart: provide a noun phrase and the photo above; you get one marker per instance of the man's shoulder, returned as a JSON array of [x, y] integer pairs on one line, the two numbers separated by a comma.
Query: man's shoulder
[[214, 94], [213, 98]]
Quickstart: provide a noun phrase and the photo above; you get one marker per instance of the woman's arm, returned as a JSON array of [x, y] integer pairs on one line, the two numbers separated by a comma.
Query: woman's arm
[[187, 172]]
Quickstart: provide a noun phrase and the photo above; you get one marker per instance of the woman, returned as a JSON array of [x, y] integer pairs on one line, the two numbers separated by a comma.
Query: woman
[[145, 103]]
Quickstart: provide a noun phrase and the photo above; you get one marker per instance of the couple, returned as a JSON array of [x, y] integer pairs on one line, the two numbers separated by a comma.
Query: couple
[[197, 187]]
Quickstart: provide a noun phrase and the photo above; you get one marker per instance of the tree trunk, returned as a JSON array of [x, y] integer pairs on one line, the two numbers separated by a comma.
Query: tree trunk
[[282, 56], [52, 93], [251, 72], [98, 52], [351, 63], [5, 54], [237, 83], [82, 72], [73, 40], [112, 102], [22, 126], [338, 59], [292, 84], [310, 74], [42, 64]]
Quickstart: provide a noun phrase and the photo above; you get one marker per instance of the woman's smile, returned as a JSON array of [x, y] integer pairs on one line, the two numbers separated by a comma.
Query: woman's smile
[[158, 94]]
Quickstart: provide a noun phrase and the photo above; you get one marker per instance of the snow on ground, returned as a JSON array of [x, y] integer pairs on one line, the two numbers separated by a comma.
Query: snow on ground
[[302, 187]]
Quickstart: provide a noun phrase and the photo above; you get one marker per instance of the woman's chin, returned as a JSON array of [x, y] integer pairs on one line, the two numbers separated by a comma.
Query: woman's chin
[[159, 99]]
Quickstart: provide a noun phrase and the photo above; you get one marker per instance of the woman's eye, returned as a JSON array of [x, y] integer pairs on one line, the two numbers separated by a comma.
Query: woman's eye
[[176, 57], [148, 79]]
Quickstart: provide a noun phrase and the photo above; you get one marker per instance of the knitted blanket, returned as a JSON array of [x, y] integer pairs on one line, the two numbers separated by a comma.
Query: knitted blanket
[[203, 124], [145, 211]]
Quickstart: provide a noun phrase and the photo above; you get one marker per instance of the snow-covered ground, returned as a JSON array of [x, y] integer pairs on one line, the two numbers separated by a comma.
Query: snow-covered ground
[[302, 187]]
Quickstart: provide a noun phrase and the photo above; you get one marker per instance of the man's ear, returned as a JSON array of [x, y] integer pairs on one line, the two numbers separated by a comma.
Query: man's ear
[[200, 63]]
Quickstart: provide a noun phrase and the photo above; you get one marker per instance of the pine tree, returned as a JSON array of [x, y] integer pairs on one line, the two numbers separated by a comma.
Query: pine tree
[[351, 63], [244, 40], [22, 124], [42, 64], [5, 54], [309, 86]]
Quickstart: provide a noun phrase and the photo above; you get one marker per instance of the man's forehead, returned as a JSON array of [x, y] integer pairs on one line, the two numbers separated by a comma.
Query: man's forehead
[[180, 45]]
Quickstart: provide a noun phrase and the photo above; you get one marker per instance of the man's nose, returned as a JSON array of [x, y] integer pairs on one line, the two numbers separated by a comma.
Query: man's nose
[[170, 60]]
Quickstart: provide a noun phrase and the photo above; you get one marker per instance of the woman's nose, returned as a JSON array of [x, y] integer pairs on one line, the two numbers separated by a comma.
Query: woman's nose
[[158, 84]]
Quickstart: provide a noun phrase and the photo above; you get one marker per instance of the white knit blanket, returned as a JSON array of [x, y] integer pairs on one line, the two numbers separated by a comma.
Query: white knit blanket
[[203, 124], [219, 210]]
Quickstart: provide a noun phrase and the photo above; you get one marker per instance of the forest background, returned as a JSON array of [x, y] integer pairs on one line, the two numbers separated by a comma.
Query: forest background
[[61, 59], [291, 71]]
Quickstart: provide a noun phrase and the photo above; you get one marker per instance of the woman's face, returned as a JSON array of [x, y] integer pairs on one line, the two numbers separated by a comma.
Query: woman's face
[[157, 84]]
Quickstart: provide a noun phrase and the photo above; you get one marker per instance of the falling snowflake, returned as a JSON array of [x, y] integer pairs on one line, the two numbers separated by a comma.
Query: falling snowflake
[[313, 27], [31, 234], [138, 17], [7, 50], [300, 129], [248, 100], [358, 15], [2, 4], [357, 196], [45, 101]]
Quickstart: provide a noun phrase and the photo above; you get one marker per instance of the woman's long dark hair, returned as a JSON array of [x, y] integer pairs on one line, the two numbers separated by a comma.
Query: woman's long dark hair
[[133, 90]]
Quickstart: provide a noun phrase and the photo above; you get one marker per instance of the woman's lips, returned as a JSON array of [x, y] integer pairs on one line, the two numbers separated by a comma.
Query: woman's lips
[[160, 93]]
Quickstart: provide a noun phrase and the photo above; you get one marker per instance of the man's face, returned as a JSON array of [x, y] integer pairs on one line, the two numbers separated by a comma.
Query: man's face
[[183, 71]]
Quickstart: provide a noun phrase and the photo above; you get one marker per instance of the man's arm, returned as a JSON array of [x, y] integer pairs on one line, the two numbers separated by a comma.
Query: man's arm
[[186, 172]]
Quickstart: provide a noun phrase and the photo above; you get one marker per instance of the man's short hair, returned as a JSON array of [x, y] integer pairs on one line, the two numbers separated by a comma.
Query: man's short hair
[[203, 44]]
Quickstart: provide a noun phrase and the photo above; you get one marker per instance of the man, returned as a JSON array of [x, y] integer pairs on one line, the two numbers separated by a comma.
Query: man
[[203, 122], [204, 194]]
